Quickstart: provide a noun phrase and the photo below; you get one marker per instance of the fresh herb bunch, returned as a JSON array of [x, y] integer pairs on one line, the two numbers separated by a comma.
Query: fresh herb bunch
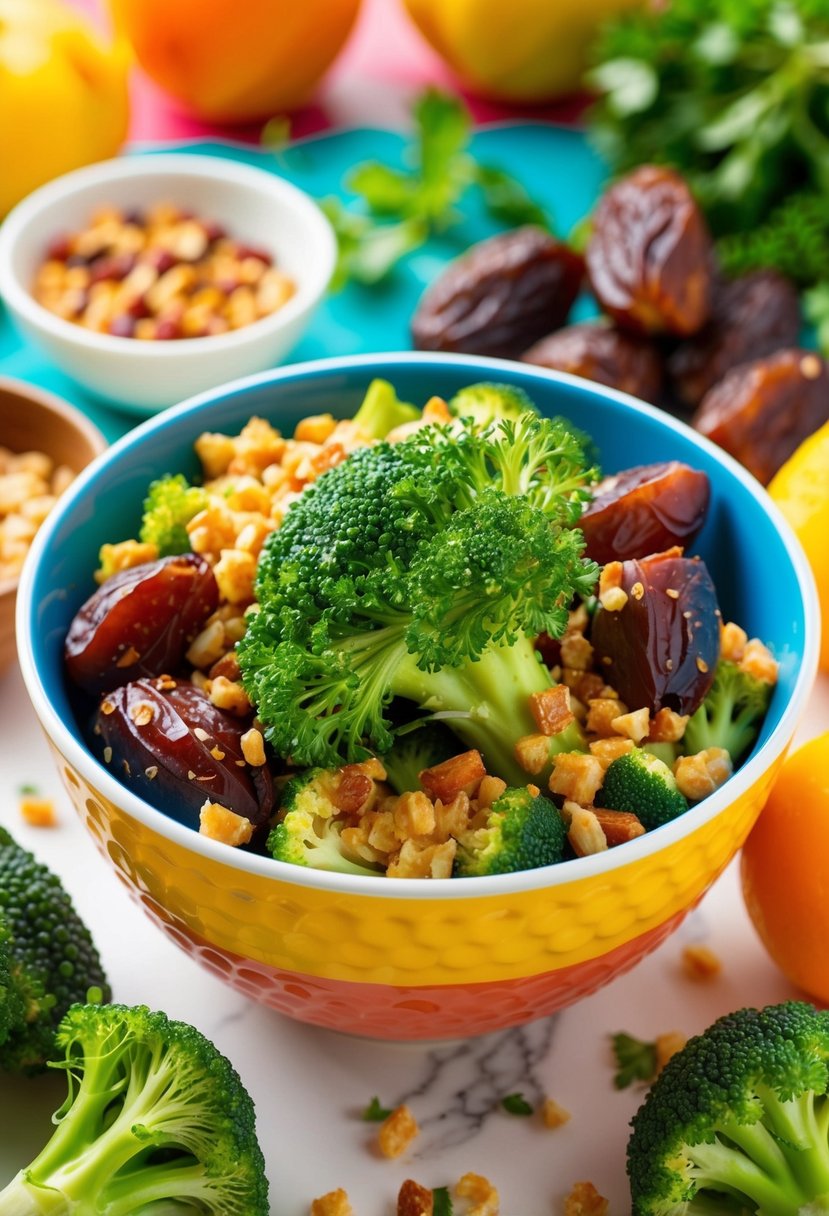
[[794, 240], [395, 211], [732, 93]]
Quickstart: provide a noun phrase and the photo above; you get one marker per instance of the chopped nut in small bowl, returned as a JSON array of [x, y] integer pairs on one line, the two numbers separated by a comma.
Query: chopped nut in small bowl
[[150, 278], [44, 444]]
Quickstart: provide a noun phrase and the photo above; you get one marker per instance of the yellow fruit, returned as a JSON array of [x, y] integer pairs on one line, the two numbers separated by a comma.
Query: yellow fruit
[[525, 50], [63, 96], [801, 491], [232, 60], [785, 869]]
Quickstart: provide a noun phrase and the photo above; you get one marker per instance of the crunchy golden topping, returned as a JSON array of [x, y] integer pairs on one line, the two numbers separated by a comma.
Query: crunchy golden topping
[[608, 750], [397, 1132], [142, 713], [533, 753], [414, 1199], [758, 661], [612, 595], [637, 591], [414, 815], [551, 709], [219, 823], [702, 666], [464, 772], [699, 775], [335, 1203], [229, 695], [583, 829], [667, 1045], [489, 791], [123, 556], [553, 1115], [577, 777], [253, 747], [483, 1197], [576, 652], [38, 812], [422, 860], [667, 726], [602, 712], [208, 646], [618, 826], [634, 725], [733, 641], [585, 1200], [699, 962]]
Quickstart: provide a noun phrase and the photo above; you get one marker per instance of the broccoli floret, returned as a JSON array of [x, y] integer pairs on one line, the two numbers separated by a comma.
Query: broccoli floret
[[308, 831], [12, 1009], [51, 959], [641, 783], [488, 403], [170, 504], [420, 570], [382, 411], [738, 1121], [156, 1121], [732, 713], [415, 750], [523, 831]]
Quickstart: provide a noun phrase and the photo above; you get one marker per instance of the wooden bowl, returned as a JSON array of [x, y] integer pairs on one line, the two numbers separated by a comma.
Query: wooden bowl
[[32, 419]]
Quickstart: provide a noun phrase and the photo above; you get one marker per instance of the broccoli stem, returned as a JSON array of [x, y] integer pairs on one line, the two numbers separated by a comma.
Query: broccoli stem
[[773, 1161], [19, 1198], [495, 690]]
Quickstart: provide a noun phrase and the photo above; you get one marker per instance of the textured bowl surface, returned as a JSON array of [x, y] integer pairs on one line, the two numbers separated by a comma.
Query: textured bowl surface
[[256, 207], [406, 958], [34, 420]]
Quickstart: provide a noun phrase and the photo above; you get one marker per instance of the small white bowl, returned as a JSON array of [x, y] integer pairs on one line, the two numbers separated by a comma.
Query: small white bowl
[[256, 207]]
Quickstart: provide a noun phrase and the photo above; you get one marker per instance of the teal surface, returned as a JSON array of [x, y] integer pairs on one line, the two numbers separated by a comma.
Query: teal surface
[[554, 163]]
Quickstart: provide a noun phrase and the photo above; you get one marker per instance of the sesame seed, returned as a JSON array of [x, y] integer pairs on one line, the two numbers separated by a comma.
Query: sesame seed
[[672, 593], [151, 772], [201, 734], [701, 665], [687, 615], [107, 755], [669, 664], [190, 775], [637, 591], [107, 707], [810, 367], [217, 753]]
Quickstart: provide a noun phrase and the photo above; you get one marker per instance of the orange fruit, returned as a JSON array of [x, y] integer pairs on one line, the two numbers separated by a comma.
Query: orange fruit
[[231, 61], [801, 491], [785, 869]]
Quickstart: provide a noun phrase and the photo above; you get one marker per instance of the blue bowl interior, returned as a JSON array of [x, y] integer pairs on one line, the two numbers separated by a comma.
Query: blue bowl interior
[[756, 581]]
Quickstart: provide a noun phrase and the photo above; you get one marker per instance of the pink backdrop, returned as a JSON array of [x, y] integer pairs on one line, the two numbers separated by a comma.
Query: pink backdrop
[[383, 64]]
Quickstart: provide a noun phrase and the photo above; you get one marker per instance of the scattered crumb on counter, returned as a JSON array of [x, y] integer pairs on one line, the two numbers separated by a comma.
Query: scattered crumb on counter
[[554, 1115], [397, 1132], [38, 812], [700, 962], [668, 1045], [335, 1203], [483, 1197], [585, 1200], [414, 1199]]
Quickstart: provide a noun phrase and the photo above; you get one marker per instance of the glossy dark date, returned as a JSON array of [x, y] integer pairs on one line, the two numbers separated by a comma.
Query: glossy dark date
[[140, 622], [661, 649], [166, 741], [650, 256], [501, 296], [645, 510], [604, 354]]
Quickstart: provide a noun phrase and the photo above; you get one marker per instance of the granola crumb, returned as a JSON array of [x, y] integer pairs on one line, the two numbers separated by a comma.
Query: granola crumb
[[553, 1115], [414, 1199], [483, 1197], [217, 822], [585, 1200], [700, 962], [397, 1132], [334, 1203], [38, 812]]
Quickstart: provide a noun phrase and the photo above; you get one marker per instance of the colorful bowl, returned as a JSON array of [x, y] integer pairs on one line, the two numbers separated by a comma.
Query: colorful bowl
[[403, 958]]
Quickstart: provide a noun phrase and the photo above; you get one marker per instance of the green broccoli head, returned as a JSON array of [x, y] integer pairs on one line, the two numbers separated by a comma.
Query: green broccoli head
[[382, 411], [488, 403], [155, 1120], [641, 783], [12, 1009], [420, 570], [523, 831], [51, 959], [732, 713], [307, 832], [738, 1121], [170, 504]]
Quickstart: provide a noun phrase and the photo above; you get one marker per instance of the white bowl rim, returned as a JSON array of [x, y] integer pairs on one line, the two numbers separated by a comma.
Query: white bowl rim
[[164, 164], [599, 864]]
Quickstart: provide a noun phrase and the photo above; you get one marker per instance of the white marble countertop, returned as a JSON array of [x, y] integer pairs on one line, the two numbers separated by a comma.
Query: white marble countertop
[[311, 1085]]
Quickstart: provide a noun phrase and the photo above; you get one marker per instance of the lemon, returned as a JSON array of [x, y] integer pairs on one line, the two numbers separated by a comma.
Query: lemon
[[801, 490], [63, 96]]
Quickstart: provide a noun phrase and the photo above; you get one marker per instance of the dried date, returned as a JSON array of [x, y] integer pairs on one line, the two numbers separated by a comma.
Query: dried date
[[604, 354], [761, 411], [500, 297], [645, 510], [662, 648], [170, 744], [140, 622], [650, 256], [752, 316]]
